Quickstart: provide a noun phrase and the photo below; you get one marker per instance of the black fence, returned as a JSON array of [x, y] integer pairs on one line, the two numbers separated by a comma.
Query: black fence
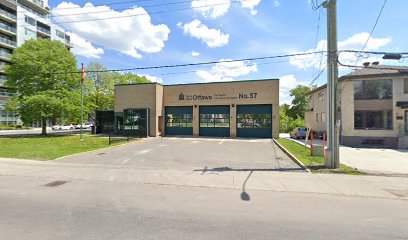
[[119, 136]]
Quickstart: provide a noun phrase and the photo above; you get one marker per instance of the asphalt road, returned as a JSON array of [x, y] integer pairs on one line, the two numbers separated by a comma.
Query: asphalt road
[[113, 210], [213, 154]]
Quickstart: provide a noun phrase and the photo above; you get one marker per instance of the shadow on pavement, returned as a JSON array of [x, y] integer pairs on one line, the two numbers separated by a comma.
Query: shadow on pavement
[[228, 169], [244, 195]]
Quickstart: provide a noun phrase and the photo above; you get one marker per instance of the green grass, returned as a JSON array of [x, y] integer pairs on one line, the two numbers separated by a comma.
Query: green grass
[[49, 147], [314, 163]]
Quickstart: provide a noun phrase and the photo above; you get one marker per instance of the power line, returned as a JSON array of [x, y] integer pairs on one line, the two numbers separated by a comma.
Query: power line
[[372, 29], [179, 65], [144, 14]]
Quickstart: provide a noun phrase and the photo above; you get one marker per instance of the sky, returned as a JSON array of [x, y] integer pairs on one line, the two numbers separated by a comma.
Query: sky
[[144, 33]]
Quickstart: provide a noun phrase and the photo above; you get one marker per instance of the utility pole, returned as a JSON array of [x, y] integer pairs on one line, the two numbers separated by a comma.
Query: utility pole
[[333, 123]]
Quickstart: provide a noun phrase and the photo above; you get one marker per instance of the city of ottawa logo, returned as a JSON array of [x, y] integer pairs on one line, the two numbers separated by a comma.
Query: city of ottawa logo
[[181, 97]]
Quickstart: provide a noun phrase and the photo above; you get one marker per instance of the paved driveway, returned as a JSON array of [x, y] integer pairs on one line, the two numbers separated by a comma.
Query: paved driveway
[[199, 154]]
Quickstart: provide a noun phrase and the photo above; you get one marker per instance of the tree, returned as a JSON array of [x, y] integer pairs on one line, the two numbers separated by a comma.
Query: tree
[[300, 101], [43, 90], [99, 88]]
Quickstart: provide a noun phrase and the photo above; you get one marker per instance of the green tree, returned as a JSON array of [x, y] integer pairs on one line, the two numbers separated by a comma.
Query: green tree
[[129, 78], [288, 123], [99, 88], [300, 101], [43, 92]]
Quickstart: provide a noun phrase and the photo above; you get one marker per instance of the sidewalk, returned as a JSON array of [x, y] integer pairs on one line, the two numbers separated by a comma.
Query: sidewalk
[[376, 161], [360, 186]]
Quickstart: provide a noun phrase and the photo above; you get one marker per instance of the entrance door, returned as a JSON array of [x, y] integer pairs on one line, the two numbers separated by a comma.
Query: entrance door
[[179, 120], [215, 121], [254, 121], [406, 122]]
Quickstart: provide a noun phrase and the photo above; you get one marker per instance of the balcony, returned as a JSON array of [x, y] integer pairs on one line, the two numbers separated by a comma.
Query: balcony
[[5, 56], [36, 5], [8, 30], [8, 16], [43, 31], [7, 42]]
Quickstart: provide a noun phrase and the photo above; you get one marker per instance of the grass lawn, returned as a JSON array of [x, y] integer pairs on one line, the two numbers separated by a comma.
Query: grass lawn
[[49, 147], [314, 163]]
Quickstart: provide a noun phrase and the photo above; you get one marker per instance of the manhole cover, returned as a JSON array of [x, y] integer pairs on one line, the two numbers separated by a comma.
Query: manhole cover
[[55, 183]]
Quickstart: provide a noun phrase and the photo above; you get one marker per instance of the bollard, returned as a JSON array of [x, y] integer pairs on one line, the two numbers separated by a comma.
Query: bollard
[[311, 144]]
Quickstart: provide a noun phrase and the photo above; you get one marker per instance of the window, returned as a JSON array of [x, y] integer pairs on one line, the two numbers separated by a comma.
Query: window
[[214, 120], [179, 120], [373, 120], [317, 117], [254, 121], [59, 33], [29, 33], [373, 89], [323, 117], [321, 95], [406, 85], [30, 21]]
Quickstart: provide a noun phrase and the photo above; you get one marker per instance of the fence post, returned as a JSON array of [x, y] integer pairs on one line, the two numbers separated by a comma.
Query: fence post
[[311, 144], [324, 144]]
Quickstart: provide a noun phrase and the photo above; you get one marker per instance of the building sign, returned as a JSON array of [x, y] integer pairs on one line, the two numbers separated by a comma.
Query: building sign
[[218, 96]]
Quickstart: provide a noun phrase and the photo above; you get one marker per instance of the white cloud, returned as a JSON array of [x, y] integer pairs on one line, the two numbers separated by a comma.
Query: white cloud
[[195, 54], [355, 42], [227, 71], [287, 83], [117, 31], [212, 37], [153, 78], [211, 8], [251, 4], [84, 48], [276, 3]]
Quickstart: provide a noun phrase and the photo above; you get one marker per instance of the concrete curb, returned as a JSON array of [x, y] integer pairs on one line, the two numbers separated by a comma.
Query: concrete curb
[[297, 161]]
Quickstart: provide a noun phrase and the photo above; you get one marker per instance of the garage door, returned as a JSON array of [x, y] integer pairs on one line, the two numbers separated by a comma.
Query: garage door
[[215, 121], [254, 121], [179, 120]]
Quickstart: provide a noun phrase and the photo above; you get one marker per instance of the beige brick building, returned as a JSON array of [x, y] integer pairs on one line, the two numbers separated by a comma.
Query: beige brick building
[[223, 109], [373, 107]]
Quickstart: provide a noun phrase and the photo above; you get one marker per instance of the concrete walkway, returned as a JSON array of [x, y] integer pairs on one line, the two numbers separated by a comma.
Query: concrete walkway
[[297, 182], [376, 161]]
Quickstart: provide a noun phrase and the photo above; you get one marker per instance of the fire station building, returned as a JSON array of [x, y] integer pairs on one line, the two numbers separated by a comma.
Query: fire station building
[[247, 109]]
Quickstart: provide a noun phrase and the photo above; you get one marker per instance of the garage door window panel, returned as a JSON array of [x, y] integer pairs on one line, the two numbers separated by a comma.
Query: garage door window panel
[[254, 121], [214, 120], [179, 120]]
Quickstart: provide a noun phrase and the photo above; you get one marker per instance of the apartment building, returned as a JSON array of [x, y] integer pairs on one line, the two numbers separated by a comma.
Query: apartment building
[[21, 20], [373, 107]]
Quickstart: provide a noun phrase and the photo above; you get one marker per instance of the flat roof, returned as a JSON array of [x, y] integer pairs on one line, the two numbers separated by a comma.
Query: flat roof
[[183, 84]]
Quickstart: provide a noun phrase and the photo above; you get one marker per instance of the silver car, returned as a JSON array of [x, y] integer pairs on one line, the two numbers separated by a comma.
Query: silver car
[[299, 132]]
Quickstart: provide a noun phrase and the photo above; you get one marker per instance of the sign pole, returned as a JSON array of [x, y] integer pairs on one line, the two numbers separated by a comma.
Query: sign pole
[[82, 100]]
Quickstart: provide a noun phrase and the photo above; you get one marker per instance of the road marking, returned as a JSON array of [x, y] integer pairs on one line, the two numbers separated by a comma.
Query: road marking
[[221, 141], [195, 141], [162, 145], [143, 151], [126, 160]]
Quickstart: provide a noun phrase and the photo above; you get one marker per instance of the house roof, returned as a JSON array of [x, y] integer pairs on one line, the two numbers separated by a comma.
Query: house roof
[[369, 72]]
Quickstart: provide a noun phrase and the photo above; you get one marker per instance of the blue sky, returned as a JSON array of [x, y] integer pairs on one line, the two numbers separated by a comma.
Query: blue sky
[[228, 29]]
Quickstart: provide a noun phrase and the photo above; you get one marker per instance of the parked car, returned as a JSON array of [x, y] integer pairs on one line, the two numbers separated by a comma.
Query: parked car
[[63, 127], [86, 125], [299, 132]]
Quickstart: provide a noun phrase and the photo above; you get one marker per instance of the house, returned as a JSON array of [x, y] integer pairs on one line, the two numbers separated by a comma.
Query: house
[[373, 108]]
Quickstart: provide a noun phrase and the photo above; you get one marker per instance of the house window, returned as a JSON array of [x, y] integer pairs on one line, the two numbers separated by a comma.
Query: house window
[[30, 21], [59, 33], [323, 117], [406, 85], [321, 95], [29, 33], [372, 89], [373, 120], [317, 117]]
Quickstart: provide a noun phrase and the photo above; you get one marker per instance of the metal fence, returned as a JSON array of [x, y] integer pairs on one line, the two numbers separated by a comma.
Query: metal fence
[[119, 136]]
